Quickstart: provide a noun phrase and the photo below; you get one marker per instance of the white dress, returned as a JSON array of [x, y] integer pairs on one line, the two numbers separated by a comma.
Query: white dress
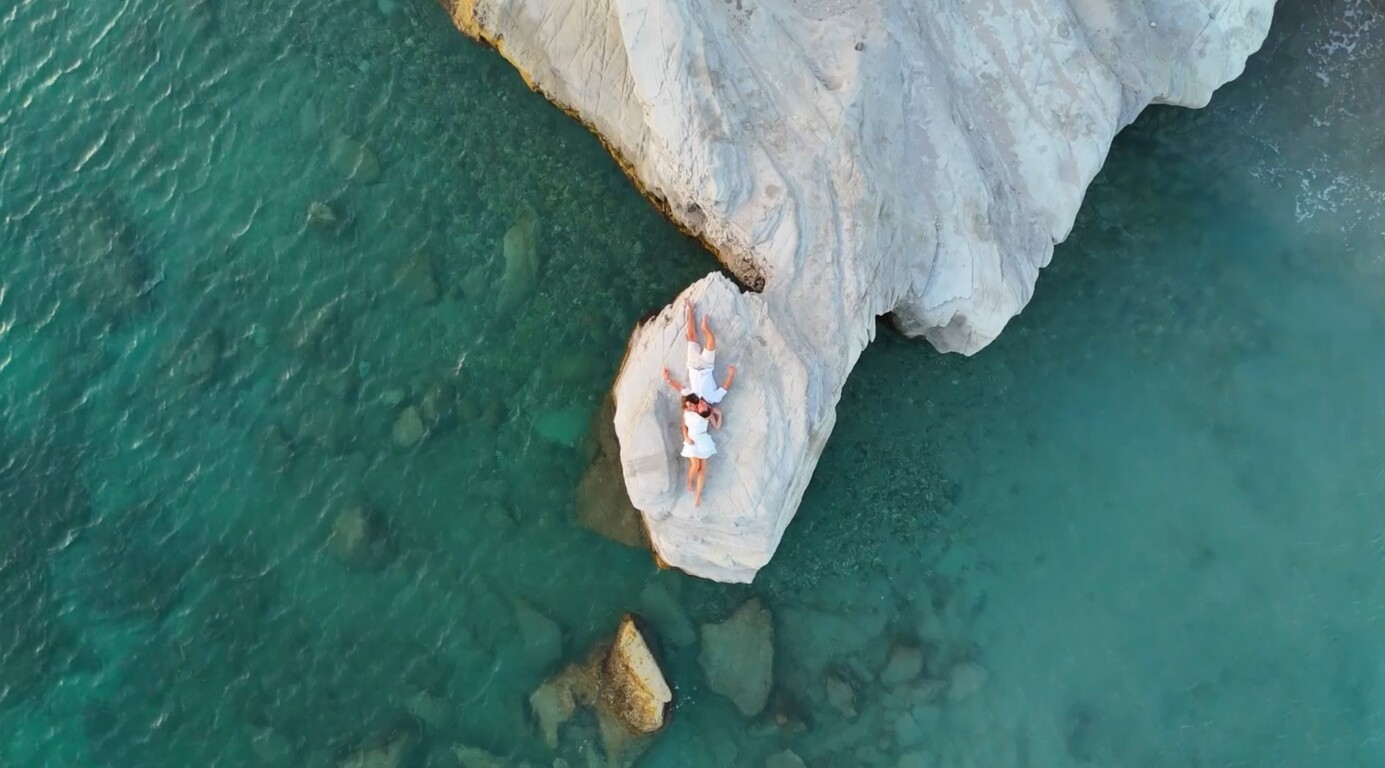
[[702, 446]]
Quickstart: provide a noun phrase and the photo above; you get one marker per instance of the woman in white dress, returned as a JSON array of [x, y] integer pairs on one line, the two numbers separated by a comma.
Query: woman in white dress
[[698, 445]]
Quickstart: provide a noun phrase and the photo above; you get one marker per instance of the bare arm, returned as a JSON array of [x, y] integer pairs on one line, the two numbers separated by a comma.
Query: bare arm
[[672, 382], [685, 433], [730, 377]]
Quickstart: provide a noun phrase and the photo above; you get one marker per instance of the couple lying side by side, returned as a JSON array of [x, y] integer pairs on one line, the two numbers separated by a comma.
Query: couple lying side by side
[[700, 398]]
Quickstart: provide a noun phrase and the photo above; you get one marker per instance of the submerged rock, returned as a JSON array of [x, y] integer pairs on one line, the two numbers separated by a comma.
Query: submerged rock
[[471, 757], [200, 357], [565, 426], [905, 663], [427, 708], [555, 702], [738, 657], [390, 751], [602, 503], [353, 159], [840, 695], [909, 159], [416, 279], [437, 402], [392, 397], [662, 610], [321, 215], [785, 759], [408, 428], [271, 747], [520, 250], [99, 261], [621, 682], [359, 537], [603, 507], [966, 680], [543, 638]]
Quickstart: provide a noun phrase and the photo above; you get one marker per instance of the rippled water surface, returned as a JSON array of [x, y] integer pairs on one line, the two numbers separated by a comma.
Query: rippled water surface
[[306, 307]]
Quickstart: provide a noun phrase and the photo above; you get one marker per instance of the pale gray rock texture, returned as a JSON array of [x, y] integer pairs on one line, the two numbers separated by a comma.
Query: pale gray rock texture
[[845, 159]]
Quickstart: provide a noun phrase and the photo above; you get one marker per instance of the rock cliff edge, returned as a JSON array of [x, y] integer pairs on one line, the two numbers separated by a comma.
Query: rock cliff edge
[[845, 159]]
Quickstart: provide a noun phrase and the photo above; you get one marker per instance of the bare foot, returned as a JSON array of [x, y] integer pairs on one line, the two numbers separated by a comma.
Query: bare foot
[[705, 318]]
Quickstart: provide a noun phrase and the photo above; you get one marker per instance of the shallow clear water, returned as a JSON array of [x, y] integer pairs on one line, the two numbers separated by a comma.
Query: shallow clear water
[[1141, 529]]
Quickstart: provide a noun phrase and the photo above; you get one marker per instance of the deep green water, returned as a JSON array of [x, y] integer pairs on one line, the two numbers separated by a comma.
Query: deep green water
[[1150, 512]]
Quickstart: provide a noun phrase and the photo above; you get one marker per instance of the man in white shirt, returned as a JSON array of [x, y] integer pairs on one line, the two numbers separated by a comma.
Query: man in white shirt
[[702, 390]]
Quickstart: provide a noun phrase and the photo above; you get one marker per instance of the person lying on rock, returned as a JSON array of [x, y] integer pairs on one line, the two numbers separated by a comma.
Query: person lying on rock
[[699, 401], [702, 389], [698, 445]]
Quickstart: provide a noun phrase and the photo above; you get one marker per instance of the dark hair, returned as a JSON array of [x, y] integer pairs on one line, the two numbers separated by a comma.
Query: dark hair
[[691, 399]]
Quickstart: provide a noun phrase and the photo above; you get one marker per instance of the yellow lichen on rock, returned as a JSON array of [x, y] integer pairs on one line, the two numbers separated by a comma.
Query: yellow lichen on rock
[[621, 682], [635, 687], [464, 17]]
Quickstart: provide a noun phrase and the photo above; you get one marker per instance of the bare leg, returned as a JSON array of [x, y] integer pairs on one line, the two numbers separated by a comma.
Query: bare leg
[[701, 481], [692, 472], [689, 322], [707, 331]]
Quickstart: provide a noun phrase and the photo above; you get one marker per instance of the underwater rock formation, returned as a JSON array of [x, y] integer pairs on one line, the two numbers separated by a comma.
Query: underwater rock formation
[[845, 159], [738, 657], [359, 537], [353, 159], [389, 750], [621, 682]]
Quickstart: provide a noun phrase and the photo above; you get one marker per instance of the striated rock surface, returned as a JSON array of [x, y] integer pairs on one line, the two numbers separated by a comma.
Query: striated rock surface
[[845, 159]]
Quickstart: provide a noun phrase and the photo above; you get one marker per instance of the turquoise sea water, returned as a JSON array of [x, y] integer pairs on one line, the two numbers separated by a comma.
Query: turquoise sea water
[[1142, 529]]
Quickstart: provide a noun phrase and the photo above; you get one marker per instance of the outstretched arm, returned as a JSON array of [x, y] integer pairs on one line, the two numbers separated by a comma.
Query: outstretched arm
[[730, 377], [672, 382]]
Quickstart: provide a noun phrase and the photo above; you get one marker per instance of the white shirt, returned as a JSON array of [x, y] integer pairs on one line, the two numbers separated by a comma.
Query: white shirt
[[703, 383]]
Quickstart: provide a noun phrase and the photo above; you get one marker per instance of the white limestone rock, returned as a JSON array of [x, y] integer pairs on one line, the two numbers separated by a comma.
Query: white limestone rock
[[847, 159]]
